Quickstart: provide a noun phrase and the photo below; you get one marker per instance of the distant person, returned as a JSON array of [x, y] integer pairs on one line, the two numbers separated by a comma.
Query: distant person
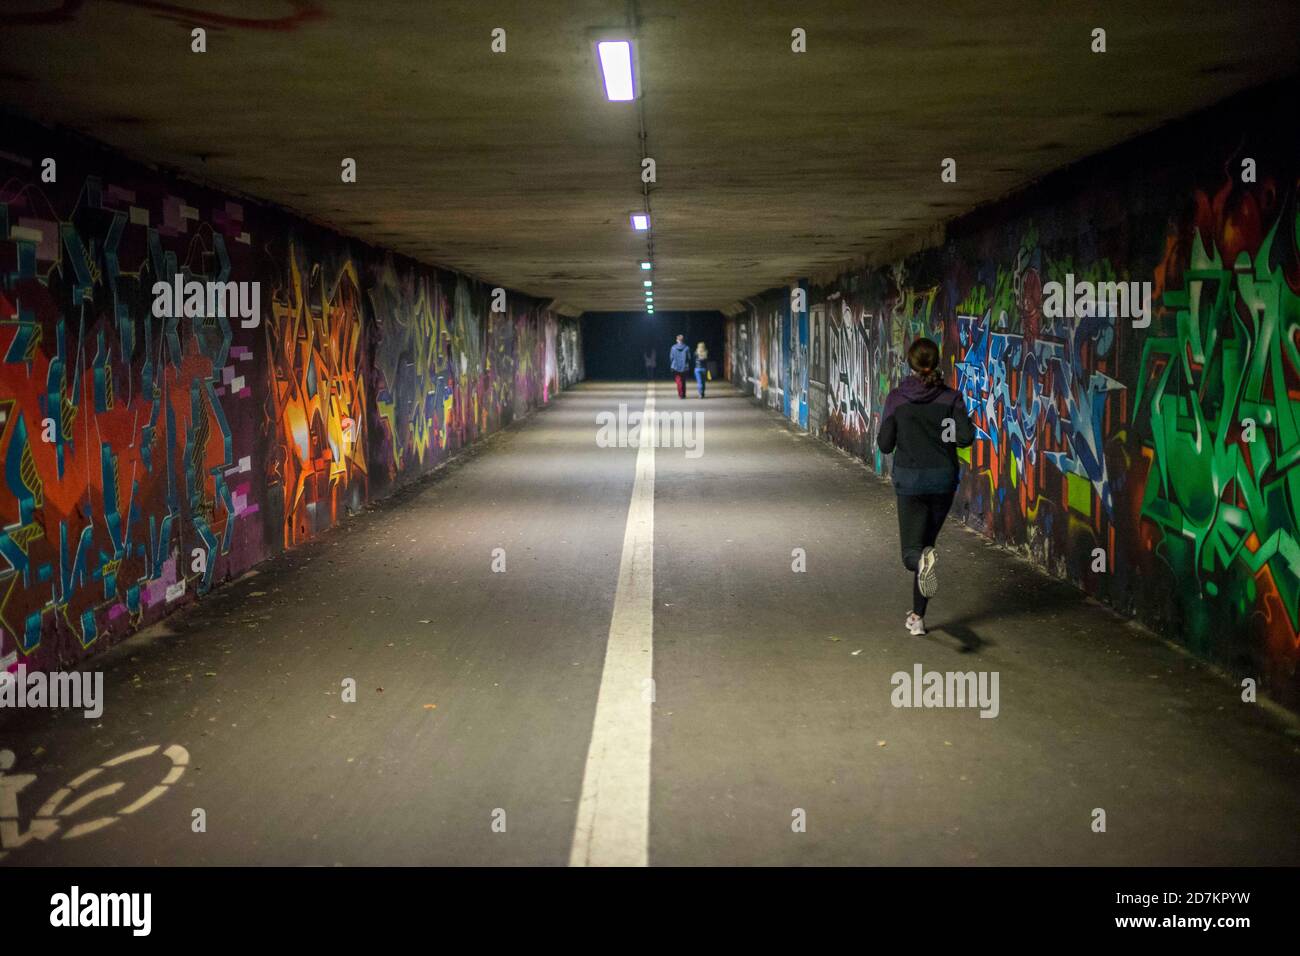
[[924, 424], [679, 358], [701, 366], [650, 363]]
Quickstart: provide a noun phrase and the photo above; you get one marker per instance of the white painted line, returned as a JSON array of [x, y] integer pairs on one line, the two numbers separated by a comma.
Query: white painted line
[[613, 825]]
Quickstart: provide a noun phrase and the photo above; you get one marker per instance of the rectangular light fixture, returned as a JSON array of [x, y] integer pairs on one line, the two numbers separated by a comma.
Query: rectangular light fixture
[[647, 283], [645, 265], [616, 66], [640, 222]]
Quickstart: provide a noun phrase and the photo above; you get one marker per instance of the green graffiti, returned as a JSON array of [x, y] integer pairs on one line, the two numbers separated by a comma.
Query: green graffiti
[[976, 301], [1225, 431]]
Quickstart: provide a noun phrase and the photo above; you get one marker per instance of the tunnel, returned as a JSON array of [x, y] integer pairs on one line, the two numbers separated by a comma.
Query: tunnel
[[854, 446]]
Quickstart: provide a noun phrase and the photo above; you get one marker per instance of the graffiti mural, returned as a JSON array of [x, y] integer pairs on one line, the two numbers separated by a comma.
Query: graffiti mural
[[150, 456], [1039, 393], [569, 346], [1171, 442], [1220, 396], [412, 370], [847, 401], [124, 481], [316, 396]]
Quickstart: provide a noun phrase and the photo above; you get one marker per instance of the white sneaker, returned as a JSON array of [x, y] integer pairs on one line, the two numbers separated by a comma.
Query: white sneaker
[[915, 625], [927, 578]]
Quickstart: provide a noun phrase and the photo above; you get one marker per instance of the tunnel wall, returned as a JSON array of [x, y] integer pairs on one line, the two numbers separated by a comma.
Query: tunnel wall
[[147, 460], [1092, 432]]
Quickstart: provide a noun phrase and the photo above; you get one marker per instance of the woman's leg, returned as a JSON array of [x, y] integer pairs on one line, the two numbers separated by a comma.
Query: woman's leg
[[699, 380], [937, 508], [913, 523]]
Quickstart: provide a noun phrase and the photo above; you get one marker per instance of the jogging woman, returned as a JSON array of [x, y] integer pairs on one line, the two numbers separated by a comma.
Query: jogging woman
[[925, 422]]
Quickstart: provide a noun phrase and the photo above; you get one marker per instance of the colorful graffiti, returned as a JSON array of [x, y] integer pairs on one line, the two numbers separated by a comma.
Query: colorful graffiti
[[316, 396], [148, 459], [124, 481], [412, 366], [1173, 446], [1038, 392], [848, 404], [1222, 397]]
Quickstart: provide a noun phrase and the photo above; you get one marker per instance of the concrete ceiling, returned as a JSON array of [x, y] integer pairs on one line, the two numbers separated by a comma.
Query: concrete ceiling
[[514, 168]]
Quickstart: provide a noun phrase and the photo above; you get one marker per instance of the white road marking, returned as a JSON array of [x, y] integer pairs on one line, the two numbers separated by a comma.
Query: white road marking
[[613, 826]]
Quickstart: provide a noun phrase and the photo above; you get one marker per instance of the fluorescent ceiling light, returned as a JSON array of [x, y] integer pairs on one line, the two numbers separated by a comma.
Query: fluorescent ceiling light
[[616, 65], [646, 265], [640, 222], [647, 283]]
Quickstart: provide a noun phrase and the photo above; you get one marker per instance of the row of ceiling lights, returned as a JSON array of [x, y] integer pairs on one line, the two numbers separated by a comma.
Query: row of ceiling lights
[[620, 86]]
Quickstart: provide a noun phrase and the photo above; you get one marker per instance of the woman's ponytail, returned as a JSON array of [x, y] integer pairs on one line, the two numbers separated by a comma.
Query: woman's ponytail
[[923, 358]]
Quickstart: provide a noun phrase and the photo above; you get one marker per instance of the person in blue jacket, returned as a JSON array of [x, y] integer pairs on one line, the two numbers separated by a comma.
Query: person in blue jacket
[[924, 424], [679, 360], [701, 366]]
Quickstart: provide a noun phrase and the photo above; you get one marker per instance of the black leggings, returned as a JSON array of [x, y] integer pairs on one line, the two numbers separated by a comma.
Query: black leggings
[[919, 519]]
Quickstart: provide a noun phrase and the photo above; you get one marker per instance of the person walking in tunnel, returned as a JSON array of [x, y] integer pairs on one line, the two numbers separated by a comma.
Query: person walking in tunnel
[[701, 366], [650, 363], [924, 424], [679, 358]]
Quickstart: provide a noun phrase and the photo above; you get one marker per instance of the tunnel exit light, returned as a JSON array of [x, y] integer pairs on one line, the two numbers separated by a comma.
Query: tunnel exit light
[[616, 65], [640, 222]]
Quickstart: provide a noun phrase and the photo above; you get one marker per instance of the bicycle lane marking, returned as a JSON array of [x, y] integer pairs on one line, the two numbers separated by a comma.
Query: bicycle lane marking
[[46, 822]]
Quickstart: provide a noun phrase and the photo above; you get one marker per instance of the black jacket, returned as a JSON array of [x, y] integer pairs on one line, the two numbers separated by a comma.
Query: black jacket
[[917, 419]]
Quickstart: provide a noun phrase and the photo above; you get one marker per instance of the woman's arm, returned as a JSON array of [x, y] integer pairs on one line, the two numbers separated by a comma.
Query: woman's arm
[[965, 428], [888, 436]]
